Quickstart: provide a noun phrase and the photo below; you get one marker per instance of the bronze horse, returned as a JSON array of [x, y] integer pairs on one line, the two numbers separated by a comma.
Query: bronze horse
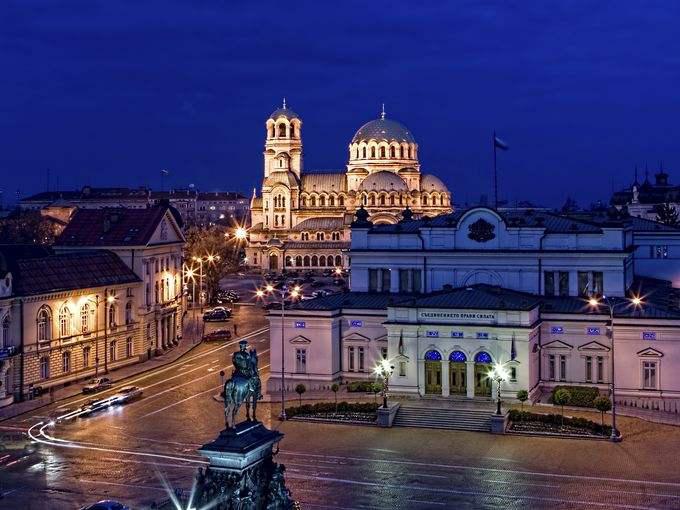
[[243, 387]]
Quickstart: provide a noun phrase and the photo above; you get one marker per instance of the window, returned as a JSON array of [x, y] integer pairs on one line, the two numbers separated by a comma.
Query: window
[[282, 130], [5, 340], [409, 280], [402, 369], [301, 361], [319, 236], [155, 294], [589, 369], [551, 367], [113, 351], [583, 285], [129, 347], [363, 152], [386, 277], [298, 261], [564, 283], [313, 201], [373, 152], [659, 252], [85, 318], [373, 280], [128, 313], [45, 367], [335, 236], [350, 359], [305, 236], [598, 283], [331, 201], [65, 321], [563, 367], [341, 201], [424, 199], [382, 152], [44, 325], [322, 260], [600, 369], [66, 362], [590, 283], [86, 356], [403, 280], [322, 201], [338, 260], [361, 358], [392, 154], [549, 283], [112, 316], [383, 352], [649, 375], [315, 261], [378, 280], [513, 374]]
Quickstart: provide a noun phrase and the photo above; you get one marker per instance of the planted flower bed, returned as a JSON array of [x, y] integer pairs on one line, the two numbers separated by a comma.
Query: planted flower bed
[[524, 421], [344, 411]]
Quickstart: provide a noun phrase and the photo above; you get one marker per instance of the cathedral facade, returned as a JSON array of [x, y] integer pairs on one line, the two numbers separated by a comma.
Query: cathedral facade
[[302, 218]]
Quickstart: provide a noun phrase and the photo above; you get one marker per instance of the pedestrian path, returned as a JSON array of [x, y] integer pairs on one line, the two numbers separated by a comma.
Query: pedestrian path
[[190, 339]]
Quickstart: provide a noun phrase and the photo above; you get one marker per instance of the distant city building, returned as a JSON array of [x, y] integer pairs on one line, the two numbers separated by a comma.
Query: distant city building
[[65, 317], [642, 200], [446, 297], [302, 218], [195, 207]]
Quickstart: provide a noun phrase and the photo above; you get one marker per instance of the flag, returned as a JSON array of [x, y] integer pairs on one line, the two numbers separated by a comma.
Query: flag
[[164, 172], [513, 350], [497, 142]]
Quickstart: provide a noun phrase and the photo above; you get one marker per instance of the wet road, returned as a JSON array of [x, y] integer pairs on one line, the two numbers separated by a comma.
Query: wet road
[[134, 452]]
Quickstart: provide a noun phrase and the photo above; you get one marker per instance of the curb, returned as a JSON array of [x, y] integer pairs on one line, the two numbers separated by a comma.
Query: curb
[[311, 419], [555, 435]]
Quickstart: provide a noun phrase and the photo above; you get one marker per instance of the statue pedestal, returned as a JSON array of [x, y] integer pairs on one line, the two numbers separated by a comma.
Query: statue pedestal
[[242, 472]]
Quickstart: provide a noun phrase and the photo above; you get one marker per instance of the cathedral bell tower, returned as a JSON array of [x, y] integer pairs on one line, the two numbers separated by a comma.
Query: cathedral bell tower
[[283, 147]]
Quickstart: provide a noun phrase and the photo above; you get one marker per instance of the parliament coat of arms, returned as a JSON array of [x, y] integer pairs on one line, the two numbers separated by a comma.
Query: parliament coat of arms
[[481, 231]]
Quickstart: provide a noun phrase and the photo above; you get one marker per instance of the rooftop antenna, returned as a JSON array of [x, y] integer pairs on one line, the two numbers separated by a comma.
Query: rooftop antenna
[[382, 115], [284, 103]]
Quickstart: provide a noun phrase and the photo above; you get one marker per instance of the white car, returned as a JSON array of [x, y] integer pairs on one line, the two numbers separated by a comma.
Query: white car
[[128, 393]]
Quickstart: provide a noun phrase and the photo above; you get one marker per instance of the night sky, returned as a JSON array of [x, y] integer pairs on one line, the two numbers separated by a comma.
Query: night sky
[[111, 92]]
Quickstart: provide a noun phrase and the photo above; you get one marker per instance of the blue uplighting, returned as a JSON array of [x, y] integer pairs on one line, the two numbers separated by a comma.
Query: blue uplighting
[[433, 356], [482, 357], [457, 356]]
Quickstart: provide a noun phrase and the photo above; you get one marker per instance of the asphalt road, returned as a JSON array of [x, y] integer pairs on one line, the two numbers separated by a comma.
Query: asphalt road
[[134, 453]]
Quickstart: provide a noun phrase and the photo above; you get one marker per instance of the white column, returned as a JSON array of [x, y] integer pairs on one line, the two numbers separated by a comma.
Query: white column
[[421, 377], [470, 378], [446, 390]]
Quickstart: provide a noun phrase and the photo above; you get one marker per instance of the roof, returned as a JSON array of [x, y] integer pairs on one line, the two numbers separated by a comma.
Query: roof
[[525, 218], [324, 181], [383, 129], [383, 181], [284, 112], [90, 193], [620, 219], [319, 224], [283, 176], [10, 253], [317, 245], [348, 300], [69, 271], [429, 182], [478, 297], [111, 227]]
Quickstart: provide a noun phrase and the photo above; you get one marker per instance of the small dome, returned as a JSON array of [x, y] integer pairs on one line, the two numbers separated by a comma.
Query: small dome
[[383, 181], [431, 183], [383, 129], [287, 178], [284, 112]]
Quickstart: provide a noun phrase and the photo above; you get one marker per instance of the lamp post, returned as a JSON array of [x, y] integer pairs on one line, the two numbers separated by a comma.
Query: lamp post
[[498, 374], [200, 280], [110, 300], [384, 370], [96, 340], [606, 301], [295, 293]]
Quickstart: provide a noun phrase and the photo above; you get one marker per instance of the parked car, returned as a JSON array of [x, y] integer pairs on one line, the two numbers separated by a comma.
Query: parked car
[[128, 393], [97, 384], [218, 334], [216, 316], [320, 293], [105, 504]]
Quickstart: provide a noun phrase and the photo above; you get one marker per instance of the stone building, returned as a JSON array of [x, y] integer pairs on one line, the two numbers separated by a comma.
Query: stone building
[[150, 242], [302, 218], [642, 199], [65, 317]]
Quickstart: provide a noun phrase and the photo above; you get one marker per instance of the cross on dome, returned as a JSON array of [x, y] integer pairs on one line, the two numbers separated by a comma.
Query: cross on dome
[[382, 115], [284, 103]]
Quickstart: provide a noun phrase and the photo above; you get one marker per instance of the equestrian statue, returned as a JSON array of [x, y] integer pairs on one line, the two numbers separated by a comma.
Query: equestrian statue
[[244, 385]]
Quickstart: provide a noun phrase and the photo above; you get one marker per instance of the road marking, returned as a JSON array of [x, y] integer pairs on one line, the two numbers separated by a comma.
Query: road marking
[[179, 402], [123, 484], [133, 461], [426, 502]]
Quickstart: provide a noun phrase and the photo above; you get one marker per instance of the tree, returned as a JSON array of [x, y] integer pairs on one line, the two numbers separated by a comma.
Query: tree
[[376, 388], [666, 214], [522, 396], [28, 227], [561, 398], [602, 404], [300, 389], [335, 388]]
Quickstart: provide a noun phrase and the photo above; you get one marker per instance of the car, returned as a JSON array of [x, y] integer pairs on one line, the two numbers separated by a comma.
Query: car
[[95, 404], [61, 413], [320, 293], [216, 316], [128, 393], [221, 309], [97, 384], [105, 504], [228, 296], [317, 283], [218, 334]]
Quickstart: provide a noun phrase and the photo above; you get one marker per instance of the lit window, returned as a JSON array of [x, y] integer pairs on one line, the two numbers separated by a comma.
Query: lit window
[[649, 375]]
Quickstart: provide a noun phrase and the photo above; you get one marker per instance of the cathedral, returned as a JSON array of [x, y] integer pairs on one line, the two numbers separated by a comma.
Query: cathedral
[[302, 218]]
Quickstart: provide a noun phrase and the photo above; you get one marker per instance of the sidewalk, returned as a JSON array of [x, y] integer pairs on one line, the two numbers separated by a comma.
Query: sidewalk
[[190, 339]]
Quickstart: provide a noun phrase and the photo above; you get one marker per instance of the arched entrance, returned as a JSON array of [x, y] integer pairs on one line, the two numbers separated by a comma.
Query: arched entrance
[[273, 262], [482, 368], [433, 373], [458, 372]]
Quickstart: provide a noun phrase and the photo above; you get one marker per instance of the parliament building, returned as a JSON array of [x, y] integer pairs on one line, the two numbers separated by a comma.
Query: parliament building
[[302, 218]]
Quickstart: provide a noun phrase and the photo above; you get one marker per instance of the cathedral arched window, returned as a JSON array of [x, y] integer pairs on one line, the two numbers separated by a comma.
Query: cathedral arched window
[[372, 199], [315, 261], [382, 152], [401, 200], [392, 152], [373, 152], [401, 152], [305, 236], [341, 201], [392, 200], [283, 220], [424, 199], [331, 201], [282, 130], [65, 321], [283, 201], [303, 202], [289, 261], [319, 236], [292, 130], [409, 152], [276, 220], [298, 261], [313, 201], [306, 261], [322, 201], [322, 260], [382, 199], [6, 324], [434, 199], [364, 152], [338, 260], [335, 236]]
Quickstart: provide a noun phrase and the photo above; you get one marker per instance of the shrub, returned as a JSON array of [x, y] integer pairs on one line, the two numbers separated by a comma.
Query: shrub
[[603, 404], [581, 396], [360, 387], [553, 419], [522, 396], [330, 407], [300, 389]]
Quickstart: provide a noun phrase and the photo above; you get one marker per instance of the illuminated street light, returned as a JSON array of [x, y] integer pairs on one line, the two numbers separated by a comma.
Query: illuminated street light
[[269, 288], [259, 293], [111, 299], [240, 233], [338, 270], [499, 374]]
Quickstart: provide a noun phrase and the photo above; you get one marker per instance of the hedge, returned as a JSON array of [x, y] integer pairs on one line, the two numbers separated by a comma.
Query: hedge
[[360, 387], [581, 396], [516, 415], [329, 407]]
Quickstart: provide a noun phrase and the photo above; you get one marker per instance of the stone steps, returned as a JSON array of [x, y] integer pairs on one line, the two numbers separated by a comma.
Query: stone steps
[[444, 418]]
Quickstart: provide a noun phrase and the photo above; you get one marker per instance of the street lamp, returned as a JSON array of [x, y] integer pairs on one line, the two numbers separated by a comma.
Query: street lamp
[[384, 370], [295, 293], [110, 299], [240, 233], [636, 301], [499, 374]]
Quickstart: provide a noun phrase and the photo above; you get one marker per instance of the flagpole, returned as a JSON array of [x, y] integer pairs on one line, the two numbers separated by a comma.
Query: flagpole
[[495, 173]]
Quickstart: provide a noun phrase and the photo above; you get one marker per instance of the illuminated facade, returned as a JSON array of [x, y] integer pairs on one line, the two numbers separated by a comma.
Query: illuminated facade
[[301, 219]]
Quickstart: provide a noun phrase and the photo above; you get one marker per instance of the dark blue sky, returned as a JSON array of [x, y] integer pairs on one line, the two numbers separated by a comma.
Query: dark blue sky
[[110, 92]]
